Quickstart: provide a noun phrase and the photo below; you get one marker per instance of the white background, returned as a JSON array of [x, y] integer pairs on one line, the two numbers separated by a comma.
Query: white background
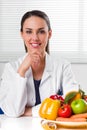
[[69, 25]]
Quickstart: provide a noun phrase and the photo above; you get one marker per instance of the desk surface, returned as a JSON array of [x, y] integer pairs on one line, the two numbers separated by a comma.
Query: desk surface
[[22, 123]]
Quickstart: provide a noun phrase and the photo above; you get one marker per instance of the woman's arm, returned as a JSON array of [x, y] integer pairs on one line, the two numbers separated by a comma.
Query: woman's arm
[[13, 92], [69, 83]]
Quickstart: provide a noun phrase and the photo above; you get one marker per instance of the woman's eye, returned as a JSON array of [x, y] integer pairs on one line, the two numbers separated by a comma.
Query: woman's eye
[[28, 32], [42, 31]]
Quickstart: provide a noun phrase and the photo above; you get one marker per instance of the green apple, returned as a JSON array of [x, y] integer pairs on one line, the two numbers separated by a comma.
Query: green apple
[[79, 106]]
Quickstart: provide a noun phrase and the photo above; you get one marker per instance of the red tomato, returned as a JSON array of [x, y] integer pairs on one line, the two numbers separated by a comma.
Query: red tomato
[[65, 111]]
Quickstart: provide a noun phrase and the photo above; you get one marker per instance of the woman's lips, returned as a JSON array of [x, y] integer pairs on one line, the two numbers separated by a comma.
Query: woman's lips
[[35, 44]]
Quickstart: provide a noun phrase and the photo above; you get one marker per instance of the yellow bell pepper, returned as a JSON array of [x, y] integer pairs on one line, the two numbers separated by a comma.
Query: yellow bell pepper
[[49, 109]]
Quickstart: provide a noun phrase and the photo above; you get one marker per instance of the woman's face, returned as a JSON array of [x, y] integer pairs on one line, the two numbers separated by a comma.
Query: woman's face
[[35, 34]]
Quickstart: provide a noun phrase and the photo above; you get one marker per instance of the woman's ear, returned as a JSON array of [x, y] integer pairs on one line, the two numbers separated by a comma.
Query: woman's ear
[[50, 34]]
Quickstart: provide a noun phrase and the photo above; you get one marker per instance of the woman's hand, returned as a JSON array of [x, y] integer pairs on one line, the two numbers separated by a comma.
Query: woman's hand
[[28, 111], [36, 59], [24, 66], [33, 60]]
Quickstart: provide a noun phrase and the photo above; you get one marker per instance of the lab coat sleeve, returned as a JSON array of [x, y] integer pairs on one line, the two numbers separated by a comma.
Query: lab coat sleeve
[[13, 92], [69, 83]]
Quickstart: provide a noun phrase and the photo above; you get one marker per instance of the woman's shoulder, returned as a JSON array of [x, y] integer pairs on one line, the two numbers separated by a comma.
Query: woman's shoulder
[[56, 60], [15, 63]]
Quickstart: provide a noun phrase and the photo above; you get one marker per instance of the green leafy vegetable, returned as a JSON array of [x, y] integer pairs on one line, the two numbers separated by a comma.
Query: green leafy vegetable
[[69, 97]]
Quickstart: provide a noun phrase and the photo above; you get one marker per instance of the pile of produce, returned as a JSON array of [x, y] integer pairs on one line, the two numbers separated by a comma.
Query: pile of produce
[[72, 108]]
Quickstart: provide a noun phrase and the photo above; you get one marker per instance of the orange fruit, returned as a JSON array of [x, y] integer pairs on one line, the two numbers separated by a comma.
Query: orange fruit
[[71, 96], [78, 96]]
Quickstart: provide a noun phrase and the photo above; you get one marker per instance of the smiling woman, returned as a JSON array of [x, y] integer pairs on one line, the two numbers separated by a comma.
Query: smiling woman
[[26, 82], [33, 34]]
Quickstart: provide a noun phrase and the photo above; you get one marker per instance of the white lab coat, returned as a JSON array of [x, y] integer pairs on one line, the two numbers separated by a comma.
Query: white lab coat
[[16, 92]]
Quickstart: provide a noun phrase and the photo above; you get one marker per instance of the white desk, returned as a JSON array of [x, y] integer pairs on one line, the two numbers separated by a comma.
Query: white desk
[[22, 123]]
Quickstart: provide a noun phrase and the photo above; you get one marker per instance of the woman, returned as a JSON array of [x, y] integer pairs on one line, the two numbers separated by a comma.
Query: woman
[[27, 82]]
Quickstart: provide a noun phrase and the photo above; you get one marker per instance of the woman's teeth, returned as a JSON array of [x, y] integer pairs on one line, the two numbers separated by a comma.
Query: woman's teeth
[[35, 45]]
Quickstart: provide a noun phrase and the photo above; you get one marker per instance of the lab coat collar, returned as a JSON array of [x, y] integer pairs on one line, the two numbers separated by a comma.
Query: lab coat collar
[[48, 68], [48, 65]]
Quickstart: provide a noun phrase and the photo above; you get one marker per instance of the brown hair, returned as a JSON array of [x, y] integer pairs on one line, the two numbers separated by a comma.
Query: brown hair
[[38, 14]]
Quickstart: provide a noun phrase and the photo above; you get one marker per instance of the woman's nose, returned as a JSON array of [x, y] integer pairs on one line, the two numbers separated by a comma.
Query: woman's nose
[[35, 36]]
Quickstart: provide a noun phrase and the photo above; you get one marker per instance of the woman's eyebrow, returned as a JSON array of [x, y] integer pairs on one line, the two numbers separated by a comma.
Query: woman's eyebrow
[[37, 29], [28, 28], [41, 28]]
